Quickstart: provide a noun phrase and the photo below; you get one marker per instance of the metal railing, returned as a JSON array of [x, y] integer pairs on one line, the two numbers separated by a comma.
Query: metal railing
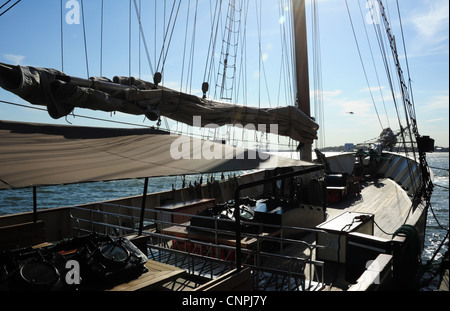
[[281, 257]]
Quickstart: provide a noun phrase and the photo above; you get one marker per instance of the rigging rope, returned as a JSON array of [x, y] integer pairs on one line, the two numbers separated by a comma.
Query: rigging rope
[[261, 62], [190, 65], [374, 65], [76, 115], [192, 54], [85, 42], [101, 39], [5, 4], [362, 63], [184, 48], [258, 22], [164, 51], [383, 52], [318, 85], [142, 36], [129, 39], [226, 75], [439, 168], [409, 113], [212, 42], [444, 187], [287, 74], [391, 40], [1, 14], [435, 218], [243, 61], [426, 183], [406, 56], [139, 49], [62, 37]]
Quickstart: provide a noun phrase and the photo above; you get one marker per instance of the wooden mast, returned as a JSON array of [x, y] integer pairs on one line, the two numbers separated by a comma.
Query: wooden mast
[[302, 71]]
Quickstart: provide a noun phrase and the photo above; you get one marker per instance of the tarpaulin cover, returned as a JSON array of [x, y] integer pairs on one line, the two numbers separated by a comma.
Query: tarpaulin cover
[[40, 154]]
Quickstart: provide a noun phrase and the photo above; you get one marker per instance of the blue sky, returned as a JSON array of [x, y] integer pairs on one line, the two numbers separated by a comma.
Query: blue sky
[[31, 36]]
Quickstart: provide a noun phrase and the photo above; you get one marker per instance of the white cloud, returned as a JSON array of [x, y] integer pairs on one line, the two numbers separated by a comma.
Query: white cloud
[[331, 94], [14, 59], [336, 98], [359, 107], [437, 102], [435, 120], [431, 24], [373, 89]]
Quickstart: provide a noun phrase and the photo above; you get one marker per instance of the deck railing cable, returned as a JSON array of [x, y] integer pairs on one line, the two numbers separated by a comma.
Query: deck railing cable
[[279, 261]]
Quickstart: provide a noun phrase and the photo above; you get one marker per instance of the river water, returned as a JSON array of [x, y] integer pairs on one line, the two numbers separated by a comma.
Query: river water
[[21, 200], [438, 221]]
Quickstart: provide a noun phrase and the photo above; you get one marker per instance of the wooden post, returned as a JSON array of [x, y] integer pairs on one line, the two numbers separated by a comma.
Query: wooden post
[[144, 199], [34, 204]]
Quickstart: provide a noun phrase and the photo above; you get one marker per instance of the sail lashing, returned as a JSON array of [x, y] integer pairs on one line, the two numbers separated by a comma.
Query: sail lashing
[[61, 94]]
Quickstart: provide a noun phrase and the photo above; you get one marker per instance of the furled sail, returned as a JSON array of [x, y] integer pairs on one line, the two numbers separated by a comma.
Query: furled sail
[[61, 94]]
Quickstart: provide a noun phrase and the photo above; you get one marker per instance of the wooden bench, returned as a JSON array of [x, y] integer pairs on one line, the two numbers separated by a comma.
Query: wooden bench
[[20, 235]]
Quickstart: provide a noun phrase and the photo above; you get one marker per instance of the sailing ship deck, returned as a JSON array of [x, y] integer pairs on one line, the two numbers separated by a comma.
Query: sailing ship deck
[[382, 197], [390, 207]]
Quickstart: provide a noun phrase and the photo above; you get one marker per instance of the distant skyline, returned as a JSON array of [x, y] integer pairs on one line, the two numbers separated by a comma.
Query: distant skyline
[[31, 36]]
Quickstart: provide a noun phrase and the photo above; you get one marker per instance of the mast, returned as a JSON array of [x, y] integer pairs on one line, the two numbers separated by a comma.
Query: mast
[[302, 71]]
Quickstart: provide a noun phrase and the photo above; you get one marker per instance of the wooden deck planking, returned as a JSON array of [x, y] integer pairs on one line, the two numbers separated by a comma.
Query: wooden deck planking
[[158, 273], [383, 198]]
